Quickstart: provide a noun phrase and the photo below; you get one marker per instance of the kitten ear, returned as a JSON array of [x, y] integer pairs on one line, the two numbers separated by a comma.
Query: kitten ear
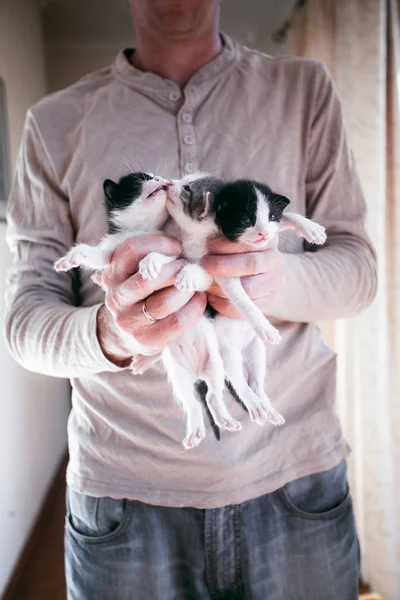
[[207, 198], [278, 201], [109, 188]]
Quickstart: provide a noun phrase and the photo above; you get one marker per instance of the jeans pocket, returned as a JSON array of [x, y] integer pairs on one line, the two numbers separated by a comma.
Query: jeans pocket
[[95, 520], [319, 496]]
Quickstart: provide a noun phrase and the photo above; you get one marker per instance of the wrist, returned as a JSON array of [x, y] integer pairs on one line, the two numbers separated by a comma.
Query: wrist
[[110, 340]]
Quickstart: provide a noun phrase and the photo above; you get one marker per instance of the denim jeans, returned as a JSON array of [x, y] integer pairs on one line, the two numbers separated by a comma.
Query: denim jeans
[[297, 543]]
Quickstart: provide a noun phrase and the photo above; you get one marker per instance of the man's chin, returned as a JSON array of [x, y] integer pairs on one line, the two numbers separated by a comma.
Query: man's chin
[[178, 26]]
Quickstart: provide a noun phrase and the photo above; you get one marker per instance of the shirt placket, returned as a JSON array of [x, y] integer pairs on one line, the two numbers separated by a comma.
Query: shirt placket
[[186, 132]]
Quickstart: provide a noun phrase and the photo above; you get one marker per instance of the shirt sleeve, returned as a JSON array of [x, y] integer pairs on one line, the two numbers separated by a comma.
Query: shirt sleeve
[[45, 330], [339, 279]]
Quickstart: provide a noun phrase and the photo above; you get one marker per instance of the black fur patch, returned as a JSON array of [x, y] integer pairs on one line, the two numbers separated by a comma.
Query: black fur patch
[[235, 206], [194, 196], [121, 195], [210, 311], [202, 389]]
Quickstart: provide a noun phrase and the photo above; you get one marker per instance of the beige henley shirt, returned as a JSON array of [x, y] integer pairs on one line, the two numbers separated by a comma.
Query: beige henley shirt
[[244, 114]]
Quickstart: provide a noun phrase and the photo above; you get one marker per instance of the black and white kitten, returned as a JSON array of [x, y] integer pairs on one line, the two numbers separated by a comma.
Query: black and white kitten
[[248, 212], [194, 356], [135, 205]]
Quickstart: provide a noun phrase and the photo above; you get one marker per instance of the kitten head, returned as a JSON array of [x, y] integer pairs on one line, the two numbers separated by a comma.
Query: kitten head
[[138, 198], [248, 212], [190, 202]]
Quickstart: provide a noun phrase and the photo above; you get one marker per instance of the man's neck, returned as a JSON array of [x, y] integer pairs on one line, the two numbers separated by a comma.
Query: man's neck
[[176, 61]]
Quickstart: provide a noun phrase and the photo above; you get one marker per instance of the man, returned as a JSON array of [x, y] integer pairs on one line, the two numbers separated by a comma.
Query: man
[[264, 513]]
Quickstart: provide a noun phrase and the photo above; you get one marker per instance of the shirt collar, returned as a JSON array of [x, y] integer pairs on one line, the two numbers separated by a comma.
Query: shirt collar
[[125, 72]]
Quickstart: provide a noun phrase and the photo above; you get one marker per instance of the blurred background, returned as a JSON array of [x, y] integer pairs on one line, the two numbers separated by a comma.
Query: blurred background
[[46, 45]]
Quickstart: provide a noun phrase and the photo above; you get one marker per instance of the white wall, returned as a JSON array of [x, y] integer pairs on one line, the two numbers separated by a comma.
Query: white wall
[[33, 409]]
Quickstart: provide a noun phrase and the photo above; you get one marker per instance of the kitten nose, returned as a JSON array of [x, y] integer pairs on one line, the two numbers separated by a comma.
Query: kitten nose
[[157, 178], [262, 235]]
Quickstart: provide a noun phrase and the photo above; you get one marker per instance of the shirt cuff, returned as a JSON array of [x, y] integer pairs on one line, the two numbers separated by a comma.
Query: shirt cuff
[[99, 361]]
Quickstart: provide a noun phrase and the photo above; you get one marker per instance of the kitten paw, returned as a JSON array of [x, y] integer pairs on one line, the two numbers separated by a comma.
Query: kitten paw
[[96, 278], [93, 257], [193, 278], [259, 415], [262, 415], [140, 363], [194, 438], [261, 410], [229, 424], [74, 258], [151, 265], [313, 233], [275, 418], [269, 333]]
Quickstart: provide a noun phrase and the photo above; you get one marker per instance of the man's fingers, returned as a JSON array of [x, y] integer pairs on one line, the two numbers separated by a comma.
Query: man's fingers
[[225, 308], [159, 305], [239, 265], [216, 290], [136, 288], [125, 260], [164, 331], [259, 286], [164, 303], [221, 245], [256, 286]]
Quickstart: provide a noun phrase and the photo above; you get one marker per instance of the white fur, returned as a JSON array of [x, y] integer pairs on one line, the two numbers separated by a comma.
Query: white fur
[[209, 351], [192, 356], [240, 343], [151, 265], [211, 344], [145, 215], [244, 358], [243, 353], [195, 354], [311, 231]]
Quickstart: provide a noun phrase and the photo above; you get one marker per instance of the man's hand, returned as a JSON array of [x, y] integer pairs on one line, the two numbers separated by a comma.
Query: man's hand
[[261, 273], [126, 290]]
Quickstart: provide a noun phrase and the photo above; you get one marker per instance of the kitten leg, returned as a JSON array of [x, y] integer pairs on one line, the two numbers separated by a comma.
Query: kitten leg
[[234, 290], [151, 265], [259, 410], [94, 257], [96, 278], [193, 278], [140, 363], [182, 381], [311, 231], [214, 376], [255, 361]]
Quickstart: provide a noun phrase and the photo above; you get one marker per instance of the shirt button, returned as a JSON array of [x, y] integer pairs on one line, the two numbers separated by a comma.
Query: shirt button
[[189, 167], [187, 117], [188, 139], [174, 96]]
